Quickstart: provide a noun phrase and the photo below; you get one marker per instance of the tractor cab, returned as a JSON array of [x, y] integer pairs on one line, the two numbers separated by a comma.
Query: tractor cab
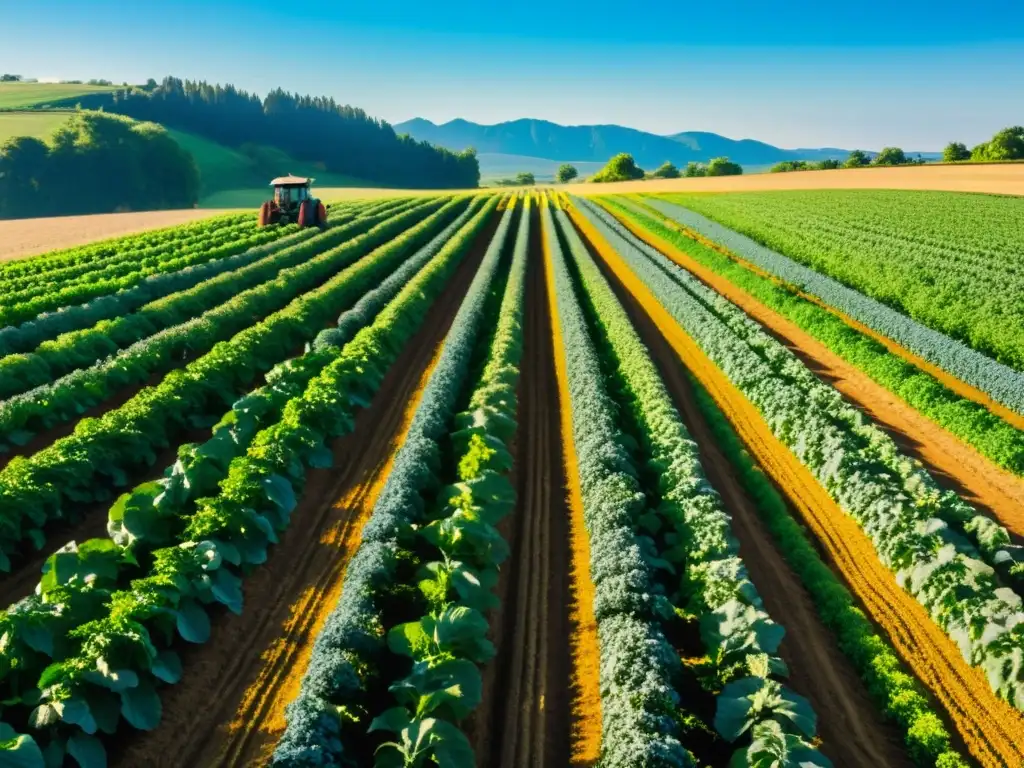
[[293, 202]]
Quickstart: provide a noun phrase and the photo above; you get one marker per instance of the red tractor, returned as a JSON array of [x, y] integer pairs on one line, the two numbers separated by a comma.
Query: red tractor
[[293, 204]]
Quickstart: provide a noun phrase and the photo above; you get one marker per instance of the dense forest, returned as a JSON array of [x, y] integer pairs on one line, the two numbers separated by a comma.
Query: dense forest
[[318, 129], [96, 163]]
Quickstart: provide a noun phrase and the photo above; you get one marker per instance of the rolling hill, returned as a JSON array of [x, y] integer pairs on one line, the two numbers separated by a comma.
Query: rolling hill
[[539, 140], [25, 95], [230, 178]]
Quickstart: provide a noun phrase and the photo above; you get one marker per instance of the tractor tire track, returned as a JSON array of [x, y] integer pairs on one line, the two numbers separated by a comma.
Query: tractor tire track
[[525, 714]]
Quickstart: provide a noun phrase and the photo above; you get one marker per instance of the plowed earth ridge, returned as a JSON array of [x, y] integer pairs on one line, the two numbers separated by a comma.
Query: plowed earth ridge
[[585, 737], [525, 713]]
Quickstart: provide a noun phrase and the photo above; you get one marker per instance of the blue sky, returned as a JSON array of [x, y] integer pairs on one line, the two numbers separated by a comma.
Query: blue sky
[[865, 74]]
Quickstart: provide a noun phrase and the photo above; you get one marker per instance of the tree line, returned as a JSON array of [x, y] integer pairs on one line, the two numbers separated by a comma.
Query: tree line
[[310, 128], [96, 163], [1007, 144], [623, 167]]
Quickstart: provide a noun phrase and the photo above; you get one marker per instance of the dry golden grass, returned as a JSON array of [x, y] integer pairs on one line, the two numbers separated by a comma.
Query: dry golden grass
[[27, 237], [1005, 179]]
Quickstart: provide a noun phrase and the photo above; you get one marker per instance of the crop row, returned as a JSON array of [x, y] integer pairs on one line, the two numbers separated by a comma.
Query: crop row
[[44, 296], [971, 421], [128, 246], [109, 667], [898, 694], [30, 334], [1001, 382], [450, 548], [891, 497], [949, 261], [990, 434], [24, 287], [661, 543], [102, 452], [152, 331]]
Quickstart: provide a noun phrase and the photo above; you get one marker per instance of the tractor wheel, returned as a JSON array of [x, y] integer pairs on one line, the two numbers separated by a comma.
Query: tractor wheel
[[321, 215], [307, 215], [265, 215]]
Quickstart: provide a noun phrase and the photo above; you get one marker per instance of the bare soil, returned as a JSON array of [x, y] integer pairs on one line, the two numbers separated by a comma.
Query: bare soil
[[988, 726], [525, 715], [26, 237], [228, 708], [585, 689], [850, 726], [1005, 179]]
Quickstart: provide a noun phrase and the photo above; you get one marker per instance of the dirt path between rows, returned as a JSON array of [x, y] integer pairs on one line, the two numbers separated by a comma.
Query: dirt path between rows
[[525, 714], [585, 689], [229, 707], [989, 726], [853, 732], [954, 464]]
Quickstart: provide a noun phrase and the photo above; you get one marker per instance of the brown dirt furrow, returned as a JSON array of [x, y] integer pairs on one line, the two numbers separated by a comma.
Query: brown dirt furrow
[[229, 707], [583, 642], [989, 727], [525, 713], [954, 464], [852, 730]]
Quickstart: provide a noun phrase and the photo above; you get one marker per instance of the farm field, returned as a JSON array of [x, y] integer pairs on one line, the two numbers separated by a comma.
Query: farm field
[[514, 479], [25, 95], [27, 237], [36, 124], [1005, 179]]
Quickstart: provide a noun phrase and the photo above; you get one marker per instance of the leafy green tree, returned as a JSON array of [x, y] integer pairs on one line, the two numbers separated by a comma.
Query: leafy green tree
[[693, 170], [955, 152], [96, 163], [857, 159], [723, 166], [666, 171], [891, 156], [1008, 144], [622, 167], [10, 78], [22, 168], [829, 164], [566, 173], [525, 180]]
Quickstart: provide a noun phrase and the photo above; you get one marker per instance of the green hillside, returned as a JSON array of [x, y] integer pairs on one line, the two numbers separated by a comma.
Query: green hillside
[[23, 95], [230, 178], [36, 124], [234, 178]]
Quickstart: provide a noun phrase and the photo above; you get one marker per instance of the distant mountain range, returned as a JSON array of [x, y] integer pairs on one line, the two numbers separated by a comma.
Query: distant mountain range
[[539, 142]]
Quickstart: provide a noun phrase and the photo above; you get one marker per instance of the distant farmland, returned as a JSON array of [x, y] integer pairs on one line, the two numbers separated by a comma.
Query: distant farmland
[[23, 95]]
